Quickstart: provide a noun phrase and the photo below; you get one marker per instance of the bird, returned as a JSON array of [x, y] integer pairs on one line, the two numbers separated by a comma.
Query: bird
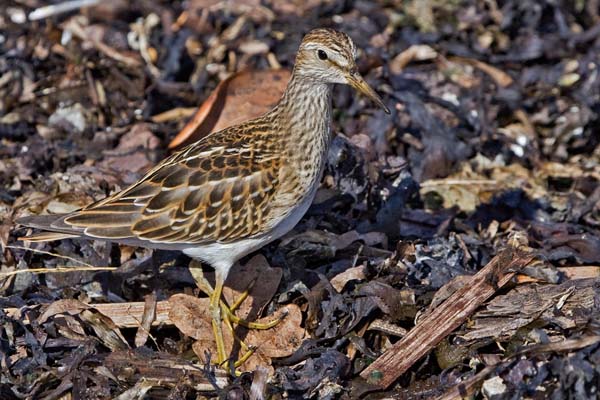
[[235, 190]]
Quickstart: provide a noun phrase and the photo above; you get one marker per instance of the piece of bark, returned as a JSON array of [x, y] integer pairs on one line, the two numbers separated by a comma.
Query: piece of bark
[[446, 318], [149, 315], [129, 315], [574, 272], [566, 305], [161, 368], [124, 315]]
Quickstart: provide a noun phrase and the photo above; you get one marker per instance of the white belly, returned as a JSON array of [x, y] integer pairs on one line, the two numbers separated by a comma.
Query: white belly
[[222, 256]]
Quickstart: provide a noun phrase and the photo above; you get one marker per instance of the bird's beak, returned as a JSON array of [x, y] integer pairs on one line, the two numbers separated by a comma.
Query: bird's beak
[[358, 83]]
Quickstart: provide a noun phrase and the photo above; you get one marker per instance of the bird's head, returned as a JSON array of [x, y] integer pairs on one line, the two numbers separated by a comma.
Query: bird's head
[[328, 56]]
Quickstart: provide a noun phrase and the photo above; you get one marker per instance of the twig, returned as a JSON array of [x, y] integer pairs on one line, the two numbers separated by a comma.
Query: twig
[[53, 255], [54, 9], [162, 370], [174, 114], [457, 182], [468, 386], [54, 270], [445, 318], [77, 30]]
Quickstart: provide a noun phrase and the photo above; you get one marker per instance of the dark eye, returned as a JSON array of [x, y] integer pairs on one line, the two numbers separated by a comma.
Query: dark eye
[[322, 55]]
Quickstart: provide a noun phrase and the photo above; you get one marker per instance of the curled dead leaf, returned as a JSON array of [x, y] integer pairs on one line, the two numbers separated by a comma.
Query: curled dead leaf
[[191, 315], [65, 306], [416, 52], [106, 330], [259, 278], [242, 96]]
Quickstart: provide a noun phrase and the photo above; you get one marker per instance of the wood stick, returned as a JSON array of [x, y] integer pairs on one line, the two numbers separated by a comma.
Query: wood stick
[[124, 315], [434, 327], [573, 272], [161, 369]]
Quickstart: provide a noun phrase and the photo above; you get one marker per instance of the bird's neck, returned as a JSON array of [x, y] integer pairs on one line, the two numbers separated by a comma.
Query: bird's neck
[[304, 111]]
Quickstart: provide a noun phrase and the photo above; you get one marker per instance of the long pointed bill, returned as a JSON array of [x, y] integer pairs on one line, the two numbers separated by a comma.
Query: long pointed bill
[[358, 83]]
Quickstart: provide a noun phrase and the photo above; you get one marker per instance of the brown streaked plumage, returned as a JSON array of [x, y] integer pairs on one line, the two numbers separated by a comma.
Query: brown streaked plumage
[[235, 190]]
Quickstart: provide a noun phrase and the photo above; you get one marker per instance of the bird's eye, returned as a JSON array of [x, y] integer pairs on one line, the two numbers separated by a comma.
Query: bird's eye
[[322, 55]]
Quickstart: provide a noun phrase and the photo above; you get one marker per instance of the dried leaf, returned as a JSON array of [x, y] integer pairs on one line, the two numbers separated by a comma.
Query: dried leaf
[[131, 155], [280, 341], [66, 306], [242, 96], [108, 332], [340, 280], [191, 315], [258, 276]]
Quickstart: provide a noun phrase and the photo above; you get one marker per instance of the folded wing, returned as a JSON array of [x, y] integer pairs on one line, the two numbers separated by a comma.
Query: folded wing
[[211, 191]]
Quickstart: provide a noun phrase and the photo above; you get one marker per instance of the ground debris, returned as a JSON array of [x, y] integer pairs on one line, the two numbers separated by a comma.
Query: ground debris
[[492, 143]]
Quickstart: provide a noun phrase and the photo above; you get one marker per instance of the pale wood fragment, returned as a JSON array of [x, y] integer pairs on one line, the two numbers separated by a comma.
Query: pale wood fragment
[[445, 318]]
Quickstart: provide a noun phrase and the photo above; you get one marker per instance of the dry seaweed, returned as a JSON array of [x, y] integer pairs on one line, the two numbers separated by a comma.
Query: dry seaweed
[[494, 134]]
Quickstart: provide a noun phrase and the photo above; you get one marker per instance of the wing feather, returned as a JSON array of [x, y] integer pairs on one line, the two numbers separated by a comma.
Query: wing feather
[[218, 189]]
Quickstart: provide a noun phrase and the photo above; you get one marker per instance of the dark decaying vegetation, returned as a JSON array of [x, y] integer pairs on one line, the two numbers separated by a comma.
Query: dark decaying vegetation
[[461, 231]]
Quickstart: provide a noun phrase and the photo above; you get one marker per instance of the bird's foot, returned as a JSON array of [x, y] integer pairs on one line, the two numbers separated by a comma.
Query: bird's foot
[[226, 314]]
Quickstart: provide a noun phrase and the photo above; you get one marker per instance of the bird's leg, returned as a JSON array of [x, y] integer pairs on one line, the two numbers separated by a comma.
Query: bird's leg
[[230, 317], [221, 312], [215, 312], [239, 321], [217, 315]]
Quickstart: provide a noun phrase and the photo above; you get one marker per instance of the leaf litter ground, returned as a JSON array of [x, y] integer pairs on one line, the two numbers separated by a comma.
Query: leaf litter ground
[[492, 151]]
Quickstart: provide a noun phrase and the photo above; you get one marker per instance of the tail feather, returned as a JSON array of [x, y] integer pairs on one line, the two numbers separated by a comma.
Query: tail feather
[[52, 223], [39, 221], [57, 229], [47, 237]]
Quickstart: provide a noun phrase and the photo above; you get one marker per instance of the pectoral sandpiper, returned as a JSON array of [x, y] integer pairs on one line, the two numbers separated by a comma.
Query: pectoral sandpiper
[[235, 190]]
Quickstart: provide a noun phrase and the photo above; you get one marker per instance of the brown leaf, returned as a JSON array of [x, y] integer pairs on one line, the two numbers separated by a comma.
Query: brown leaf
[[106, 330], [66, 306], [389, 300], [281, 340], [242, 96], [191, 315], [351, 274], [241, 277], [131, 155], [70, 327]]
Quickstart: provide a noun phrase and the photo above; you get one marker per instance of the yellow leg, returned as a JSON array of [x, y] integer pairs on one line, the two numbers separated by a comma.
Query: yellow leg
[[242, 297], [251, 325], [220, 311], [227, 311], [215, 311]]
